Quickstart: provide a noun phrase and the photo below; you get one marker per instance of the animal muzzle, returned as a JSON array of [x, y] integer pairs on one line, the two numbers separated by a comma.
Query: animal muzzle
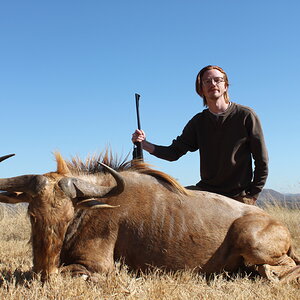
[[26, 183], [30, 184]]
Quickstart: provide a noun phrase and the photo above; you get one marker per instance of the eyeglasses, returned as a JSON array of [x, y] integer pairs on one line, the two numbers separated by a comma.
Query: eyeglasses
[[216, 80]]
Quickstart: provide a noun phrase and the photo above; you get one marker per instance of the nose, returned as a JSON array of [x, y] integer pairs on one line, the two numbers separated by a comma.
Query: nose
[[213, 82]]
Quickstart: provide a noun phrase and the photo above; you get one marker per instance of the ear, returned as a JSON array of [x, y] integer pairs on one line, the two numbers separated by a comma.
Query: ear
[[14, 198], [62, 167]]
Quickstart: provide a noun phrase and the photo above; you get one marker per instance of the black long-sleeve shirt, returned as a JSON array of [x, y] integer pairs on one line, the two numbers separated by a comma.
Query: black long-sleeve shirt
[[226, 143]]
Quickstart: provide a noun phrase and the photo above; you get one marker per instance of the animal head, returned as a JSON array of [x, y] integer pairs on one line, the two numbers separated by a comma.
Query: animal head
[[52, 199]]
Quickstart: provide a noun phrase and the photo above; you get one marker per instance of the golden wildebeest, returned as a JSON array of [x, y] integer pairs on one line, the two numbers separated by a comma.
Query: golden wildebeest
[[145, 218]]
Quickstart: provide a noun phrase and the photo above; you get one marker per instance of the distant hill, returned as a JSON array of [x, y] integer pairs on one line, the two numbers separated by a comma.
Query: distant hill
[[269, 196]]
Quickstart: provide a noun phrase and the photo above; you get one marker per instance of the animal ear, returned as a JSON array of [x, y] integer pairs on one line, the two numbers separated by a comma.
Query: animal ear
[[94, 203], [62, 167]]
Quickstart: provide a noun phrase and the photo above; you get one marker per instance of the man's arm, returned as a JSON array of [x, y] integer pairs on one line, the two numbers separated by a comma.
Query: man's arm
[[260, 156]]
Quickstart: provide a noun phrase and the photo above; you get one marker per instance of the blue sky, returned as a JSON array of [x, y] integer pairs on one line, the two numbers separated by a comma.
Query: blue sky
[[69, 71]]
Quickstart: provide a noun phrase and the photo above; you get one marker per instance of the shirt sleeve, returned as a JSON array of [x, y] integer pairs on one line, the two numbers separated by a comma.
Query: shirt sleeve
[[187, 141], [259, 154]]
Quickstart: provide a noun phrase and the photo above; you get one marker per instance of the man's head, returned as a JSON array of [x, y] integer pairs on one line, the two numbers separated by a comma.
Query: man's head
[[203, 83]]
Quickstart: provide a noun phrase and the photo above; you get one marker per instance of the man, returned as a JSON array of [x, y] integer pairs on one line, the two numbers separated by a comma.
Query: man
[[227, 135]]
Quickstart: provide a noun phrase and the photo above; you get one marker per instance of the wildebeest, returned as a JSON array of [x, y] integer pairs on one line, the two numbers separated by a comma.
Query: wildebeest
[[86, 215]]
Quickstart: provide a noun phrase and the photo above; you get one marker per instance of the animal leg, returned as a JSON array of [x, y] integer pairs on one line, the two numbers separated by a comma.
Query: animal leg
[[77, 270], [265, 245], [292, 275], [278, 272]]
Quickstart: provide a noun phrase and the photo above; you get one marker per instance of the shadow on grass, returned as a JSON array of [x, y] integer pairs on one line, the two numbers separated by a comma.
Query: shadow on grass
[[17, 277], [242, 273]]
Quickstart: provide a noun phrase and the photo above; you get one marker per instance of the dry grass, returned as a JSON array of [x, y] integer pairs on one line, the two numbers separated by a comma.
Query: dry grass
[[16, 280]]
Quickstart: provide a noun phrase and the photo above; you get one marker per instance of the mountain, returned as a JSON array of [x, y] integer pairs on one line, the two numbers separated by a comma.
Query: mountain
[[269, 196]]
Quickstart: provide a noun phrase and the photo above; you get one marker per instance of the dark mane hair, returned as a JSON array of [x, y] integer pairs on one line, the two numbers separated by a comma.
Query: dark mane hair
[[91, 165]]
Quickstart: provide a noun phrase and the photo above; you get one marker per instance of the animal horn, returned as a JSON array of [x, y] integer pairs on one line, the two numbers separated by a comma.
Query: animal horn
[[94, 203], [6, 156], [78, 188], [119, 188]]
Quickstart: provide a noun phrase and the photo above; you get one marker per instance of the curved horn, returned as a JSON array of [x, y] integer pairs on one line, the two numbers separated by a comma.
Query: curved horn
[[31, 184], [78, 188], [94, 203], [6, 156], [119, 188]]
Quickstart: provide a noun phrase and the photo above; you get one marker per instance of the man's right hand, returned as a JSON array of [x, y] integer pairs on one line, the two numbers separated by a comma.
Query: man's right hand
[[138, 136]]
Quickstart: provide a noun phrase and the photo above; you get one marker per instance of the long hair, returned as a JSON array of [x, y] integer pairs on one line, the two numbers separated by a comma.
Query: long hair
[[199, 84]]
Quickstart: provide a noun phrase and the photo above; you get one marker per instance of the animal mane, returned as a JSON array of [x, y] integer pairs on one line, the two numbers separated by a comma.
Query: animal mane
[[91, 165], [144, 168]]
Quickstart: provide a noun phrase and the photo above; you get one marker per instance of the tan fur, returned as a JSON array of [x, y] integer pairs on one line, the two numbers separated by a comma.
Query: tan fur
[[144, 168], [76, 166], [62, 167], [155, 223]]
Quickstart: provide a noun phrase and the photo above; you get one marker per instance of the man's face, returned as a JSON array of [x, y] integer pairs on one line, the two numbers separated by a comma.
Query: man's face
[[213, 84]]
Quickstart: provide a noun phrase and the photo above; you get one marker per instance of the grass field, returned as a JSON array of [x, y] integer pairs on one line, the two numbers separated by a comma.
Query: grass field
[[17, 282]]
